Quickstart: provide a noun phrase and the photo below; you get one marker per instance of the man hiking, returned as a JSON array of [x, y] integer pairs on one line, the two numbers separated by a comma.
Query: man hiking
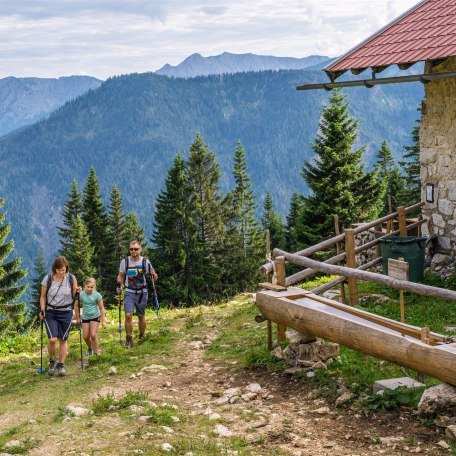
[[133, 271]]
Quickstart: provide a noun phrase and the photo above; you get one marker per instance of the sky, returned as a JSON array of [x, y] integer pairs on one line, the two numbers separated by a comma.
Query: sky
[[102, 38]]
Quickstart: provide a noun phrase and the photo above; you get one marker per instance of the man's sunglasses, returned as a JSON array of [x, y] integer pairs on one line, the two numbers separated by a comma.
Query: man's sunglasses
[[134, 248]]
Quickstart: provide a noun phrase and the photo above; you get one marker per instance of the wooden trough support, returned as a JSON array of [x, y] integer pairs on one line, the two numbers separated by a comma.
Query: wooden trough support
[[406, 345]]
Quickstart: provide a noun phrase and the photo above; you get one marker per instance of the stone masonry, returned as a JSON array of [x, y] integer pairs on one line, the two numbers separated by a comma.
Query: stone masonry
[[438, 153]]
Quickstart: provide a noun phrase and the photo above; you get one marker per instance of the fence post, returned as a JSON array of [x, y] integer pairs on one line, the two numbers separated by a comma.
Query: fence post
[[402, 222], [281, 278], [337, 232], [351, 263]]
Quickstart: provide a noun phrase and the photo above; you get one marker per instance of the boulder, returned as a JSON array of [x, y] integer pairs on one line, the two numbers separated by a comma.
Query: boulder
[[277, 353], [328, 350], [112, 370], [450, 432], [222, 431], [253, 388], [77, 411], [438, 400]]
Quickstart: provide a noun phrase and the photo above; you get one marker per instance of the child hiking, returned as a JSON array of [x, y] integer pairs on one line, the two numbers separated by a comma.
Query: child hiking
[[133, 272], [93, 310], [56, 302]]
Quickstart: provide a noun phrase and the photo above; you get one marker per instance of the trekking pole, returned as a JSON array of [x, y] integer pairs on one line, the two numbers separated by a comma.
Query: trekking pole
[[41, 370], [156, 304], [80, 345], [119, 297]]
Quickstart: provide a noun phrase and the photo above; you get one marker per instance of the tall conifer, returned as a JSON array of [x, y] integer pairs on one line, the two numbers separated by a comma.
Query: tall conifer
[[133, 230], [244, 247], [337, 180], [175, 237], [411, 194], [291, 235], [12, 312], [71, 210], [96, 223], [80, 252], [38, 275], [203, 173], [272, 221]]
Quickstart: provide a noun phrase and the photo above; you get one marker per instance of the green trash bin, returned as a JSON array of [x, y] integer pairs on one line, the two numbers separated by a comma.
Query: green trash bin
[[410, 248]]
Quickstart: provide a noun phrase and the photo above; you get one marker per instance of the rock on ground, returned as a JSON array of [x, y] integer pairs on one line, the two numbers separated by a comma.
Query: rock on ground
[[77, 411], [438, 400]]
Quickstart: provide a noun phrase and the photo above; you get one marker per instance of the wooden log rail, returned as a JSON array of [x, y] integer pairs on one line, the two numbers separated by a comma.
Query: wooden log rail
[[418, 288], [267, 268]]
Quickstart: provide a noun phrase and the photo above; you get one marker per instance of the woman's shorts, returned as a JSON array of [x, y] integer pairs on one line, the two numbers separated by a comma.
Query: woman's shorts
[[58, 323], [97, 319]]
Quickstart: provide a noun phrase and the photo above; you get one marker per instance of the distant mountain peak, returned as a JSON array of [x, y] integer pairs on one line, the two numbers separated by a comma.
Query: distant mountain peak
[[227, 62]]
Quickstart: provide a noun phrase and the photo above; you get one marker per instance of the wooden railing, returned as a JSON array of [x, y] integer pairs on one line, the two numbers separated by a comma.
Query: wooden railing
[[350, 273]]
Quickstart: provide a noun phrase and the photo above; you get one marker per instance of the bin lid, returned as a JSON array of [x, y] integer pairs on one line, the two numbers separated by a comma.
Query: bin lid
[[402, 240]]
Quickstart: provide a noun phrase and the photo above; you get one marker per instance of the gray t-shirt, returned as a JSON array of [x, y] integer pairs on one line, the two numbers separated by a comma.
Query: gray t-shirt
[[134, 277], [59, 293]]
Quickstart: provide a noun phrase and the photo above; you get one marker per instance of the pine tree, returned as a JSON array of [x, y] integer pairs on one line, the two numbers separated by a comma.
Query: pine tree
[[71, 210], [272, 221], [80, 252], [337, 180], [411, 194], [175, 238], [291, 235], [133, 230], [39, 274], [96, 223], [244, 247], [118, 240], [12, 312], [389, 177], [203, 177]]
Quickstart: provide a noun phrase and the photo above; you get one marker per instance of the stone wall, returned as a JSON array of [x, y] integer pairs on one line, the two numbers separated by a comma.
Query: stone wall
[[438, 153]]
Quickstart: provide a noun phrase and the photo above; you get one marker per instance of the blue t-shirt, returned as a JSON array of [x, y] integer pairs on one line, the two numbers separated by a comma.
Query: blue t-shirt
[[89, 304]]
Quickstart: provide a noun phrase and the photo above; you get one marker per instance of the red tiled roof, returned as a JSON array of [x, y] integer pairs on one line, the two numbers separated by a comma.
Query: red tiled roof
[[425, 32]]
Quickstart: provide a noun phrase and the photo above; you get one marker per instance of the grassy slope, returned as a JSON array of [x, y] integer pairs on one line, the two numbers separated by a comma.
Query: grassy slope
[[240, 344]]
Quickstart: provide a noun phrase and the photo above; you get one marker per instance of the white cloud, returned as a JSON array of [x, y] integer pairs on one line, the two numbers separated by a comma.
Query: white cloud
[[106, 37]]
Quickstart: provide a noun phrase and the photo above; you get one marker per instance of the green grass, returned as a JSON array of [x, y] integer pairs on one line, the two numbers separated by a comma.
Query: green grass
[[102, 403]]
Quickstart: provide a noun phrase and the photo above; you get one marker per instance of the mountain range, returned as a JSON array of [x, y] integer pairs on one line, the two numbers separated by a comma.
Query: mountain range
[[228, 63], [24, 101]]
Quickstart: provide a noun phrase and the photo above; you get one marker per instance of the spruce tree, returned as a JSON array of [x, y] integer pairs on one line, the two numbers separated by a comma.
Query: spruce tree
[[411, 194], [291, 235], [95, 219], [39, 274], [133, 230], [80, 252], [12, 312], [203, 177], [337, 180], [272, 221], [175, 238], [389, 177], [71, 210], [118, 240], [244, 247]]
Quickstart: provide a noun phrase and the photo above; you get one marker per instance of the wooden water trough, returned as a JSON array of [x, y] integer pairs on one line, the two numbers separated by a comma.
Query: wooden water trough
[[369, 333]]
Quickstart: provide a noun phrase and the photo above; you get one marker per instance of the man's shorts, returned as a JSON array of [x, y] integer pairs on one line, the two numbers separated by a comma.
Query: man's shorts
[[135, 303], [58, 323]]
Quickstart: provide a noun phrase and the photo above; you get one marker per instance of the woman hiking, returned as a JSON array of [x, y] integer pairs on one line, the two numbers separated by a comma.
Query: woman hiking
[[92, 310], [56, 301]]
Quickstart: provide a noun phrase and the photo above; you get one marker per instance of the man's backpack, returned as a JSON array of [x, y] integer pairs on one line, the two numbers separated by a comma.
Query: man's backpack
[[49, 283]]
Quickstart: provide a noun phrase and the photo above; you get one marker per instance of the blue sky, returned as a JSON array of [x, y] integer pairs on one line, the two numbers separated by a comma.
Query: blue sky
[[101, 38]]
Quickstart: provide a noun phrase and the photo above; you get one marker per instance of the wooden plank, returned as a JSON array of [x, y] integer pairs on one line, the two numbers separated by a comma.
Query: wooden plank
[[271, 286], [314, 318]]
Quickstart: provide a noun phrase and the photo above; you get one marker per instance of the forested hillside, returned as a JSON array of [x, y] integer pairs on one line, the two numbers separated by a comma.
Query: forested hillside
[[131, 127], [24, 101]]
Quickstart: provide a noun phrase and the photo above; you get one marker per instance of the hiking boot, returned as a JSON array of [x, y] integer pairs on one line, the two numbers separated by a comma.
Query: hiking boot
[[129, 342], [51, 368], [142, 335], [61, 369], [89, 353]]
